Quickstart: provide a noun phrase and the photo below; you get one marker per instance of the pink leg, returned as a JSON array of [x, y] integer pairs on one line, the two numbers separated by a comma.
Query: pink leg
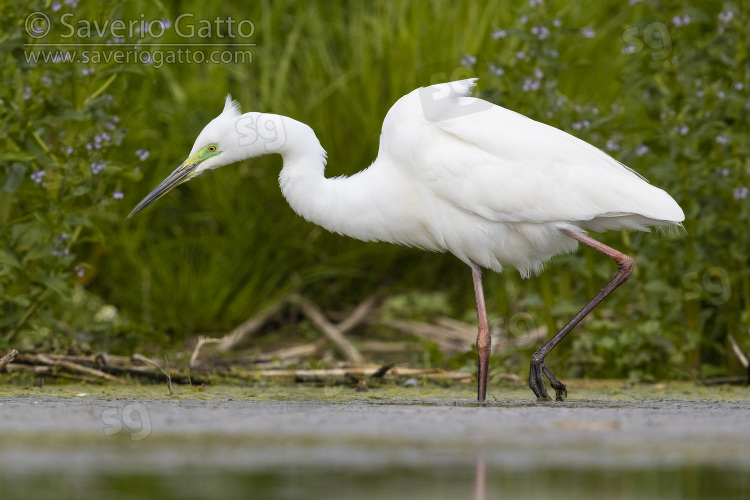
[[625, 266], [484, 341]]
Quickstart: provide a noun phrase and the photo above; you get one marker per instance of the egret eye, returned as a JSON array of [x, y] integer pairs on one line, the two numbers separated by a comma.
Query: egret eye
[[211, 149]]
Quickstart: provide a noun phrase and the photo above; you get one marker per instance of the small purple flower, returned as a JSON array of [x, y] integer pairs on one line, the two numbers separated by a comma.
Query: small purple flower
[[535, 2], [682, 20], [468, 60], [580, 125], [79, 271], [720, 94], [641, 150], [97, 167], [47, 81], [523, 19], [628, 49], [64, 236], [738, 85], [26, 93], [538, 73], [520, 55], [142, 154], [118, 195], [683, 130], [56, 6], [726, 16], [554, 53], [499, 34], [115, 118], [87, 71], [556, 23], [73, 3], [89, 146], [69, 150], [165, 24], [722, 139], [740, 193], [612, 145], [530, 84], [541, 32], [724, 172], [588, 32], [633, 2], [496, 69], [38, 176], [110, 125]]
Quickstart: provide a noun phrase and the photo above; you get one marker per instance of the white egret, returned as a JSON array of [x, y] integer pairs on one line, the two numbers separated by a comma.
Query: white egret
[[457, 174]]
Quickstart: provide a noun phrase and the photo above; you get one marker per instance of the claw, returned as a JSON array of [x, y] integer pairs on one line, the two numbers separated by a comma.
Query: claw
[[561, 393], [536, 382]]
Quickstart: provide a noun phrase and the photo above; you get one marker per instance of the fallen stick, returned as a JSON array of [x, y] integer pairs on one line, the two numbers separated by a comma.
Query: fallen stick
[[252, 325], [201, 342], [302, 351], [314, 314], [367, 371], [8, 358], [75, 367], [738, 352]]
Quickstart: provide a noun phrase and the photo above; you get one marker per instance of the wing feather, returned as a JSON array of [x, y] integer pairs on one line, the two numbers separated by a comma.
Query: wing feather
[[506, 167]]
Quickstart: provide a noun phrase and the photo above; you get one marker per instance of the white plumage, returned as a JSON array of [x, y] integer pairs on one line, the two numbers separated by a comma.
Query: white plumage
[[453, 173]]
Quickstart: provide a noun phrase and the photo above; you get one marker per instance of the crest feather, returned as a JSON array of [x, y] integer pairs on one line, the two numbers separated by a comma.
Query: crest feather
[[231, 106]]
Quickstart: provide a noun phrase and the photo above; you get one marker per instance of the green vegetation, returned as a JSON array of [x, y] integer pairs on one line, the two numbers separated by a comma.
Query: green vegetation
[[662, 86]]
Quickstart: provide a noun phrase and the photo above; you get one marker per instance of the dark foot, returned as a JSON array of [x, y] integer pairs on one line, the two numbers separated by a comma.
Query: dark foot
[[536, 382], [561, 392]]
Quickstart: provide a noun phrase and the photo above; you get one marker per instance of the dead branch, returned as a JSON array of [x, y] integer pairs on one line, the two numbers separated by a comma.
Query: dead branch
[[334, 333], [201, 342], [8, 358], [359, 314], [449, 338], [384, 346], [252, 325], [71, 366], [21, 367], [366, 371], [738, 352], [290, 354], [529, 338]]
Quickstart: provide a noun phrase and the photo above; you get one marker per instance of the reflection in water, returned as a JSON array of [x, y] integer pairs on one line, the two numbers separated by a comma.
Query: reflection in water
[[480, 481], [486, 479]]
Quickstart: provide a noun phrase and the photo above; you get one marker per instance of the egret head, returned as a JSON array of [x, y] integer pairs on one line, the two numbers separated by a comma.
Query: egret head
[[216, 145]]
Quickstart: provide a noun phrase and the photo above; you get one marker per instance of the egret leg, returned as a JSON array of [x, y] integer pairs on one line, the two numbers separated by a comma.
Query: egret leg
[[625, 266], [484, 341]]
